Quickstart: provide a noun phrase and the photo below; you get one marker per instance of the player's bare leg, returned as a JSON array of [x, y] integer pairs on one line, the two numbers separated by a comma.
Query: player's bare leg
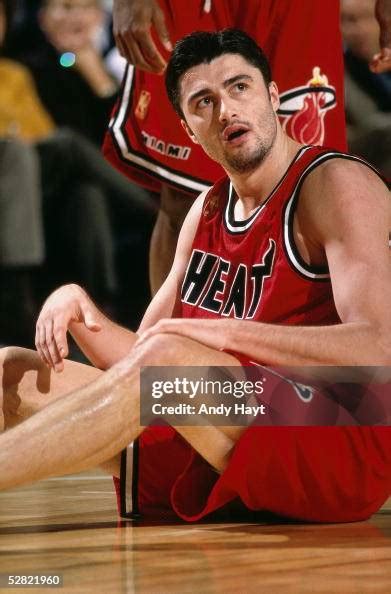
[[174, 206], [28, 386], [95, 422]]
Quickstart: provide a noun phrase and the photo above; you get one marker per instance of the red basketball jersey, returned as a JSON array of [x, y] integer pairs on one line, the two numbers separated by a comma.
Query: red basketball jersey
[[251, 269]]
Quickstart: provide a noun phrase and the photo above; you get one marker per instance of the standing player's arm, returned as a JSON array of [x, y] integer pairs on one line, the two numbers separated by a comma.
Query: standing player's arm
[[166, 302], [345, 210], [71, 309], [381, 62]]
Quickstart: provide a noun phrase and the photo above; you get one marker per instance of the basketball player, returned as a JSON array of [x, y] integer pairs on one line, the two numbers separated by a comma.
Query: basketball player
[[285, 261], [145, 141]]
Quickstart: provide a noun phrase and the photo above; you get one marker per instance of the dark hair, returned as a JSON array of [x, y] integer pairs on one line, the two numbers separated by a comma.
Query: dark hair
[[201, 47]]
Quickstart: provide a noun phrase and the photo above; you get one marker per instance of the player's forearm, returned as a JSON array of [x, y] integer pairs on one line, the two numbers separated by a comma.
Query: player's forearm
[[355, 343], [106, 347]]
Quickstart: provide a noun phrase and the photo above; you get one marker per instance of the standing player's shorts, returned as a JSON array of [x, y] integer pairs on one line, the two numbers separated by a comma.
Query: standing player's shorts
[[302, 41], [321, 473]]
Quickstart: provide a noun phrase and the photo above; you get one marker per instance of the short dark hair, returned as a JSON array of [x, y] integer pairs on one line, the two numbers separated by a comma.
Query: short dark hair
[[201, 47]]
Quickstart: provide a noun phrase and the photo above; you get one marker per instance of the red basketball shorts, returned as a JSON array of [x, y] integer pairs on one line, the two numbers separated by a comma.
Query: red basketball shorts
[[310, 473]]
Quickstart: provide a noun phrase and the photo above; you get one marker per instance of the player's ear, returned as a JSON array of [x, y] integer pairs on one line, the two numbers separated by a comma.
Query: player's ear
[[274, 95], [189, 131]]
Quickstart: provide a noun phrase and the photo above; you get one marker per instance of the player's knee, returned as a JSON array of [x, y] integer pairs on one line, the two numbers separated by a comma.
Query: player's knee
[[18, 354], [15, 361], [163, 349], [8, 353]]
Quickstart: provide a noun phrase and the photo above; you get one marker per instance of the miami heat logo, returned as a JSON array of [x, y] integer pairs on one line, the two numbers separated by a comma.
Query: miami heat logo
[[303, 109], [211, 206]]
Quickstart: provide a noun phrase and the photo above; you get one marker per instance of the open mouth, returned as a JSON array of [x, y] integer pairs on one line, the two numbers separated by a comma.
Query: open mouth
[[234, 132]]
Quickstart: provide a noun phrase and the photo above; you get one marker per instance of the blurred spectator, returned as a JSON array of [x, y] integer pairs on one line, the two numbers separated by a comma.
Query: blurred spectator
[[59, 176], [22, 251], [60, 45], [81, 97], [368, 94]]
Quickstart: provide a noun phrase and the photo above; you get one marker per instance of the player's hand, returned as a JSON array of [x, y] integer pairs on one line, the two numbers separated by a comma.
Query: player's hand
[[68, 304], [132, 22], [381, 62]]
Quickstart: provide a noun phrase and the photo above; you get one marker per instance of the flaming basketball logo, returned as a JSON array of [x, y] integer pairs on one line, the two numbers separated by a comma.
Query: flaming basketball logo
[[211, 206], [303, 109]]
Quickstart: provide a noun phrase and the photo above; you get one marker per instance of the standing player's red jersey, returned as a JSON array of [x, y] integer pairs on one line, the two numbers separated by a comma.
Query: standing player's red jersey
[[302, 41]]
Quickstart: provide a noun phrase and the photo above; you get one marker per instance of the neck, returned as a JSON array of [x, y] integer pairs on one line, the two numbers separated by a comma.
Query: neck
[[253, 188]]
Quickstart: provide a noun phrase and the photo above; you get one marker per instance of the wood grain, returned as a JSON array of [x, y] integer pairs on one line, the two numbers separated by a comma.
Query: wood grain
[[70, 526]]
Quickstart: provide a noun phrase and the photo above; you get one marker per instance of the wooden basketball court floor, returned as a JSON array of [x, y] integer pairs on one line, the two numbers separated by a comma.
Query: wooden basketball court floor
[[69, 526]]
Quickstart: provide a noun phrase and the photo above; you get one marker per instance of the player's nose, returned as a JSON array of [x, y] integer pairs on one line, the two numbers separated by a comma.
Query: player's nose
[[227, 110]]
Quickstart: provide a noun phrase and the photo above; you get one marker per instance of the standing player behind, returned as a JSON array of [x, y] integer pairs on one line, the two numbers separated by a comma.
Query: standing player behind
[[146, 142], [285, 262]]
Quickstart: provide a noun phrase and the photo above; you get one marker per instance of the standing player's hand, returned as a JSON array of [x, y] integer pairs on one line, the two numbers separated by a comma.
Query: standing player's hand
[[381, 62], [132, 22], [68, 304]]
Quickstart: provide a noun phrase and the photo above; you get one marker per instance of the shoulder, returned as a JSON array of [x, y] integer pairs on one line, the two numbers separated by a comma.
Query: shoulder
[[198, 204], [343, 182], [341, 193], [341, 175], [211, 200], [192, 219]]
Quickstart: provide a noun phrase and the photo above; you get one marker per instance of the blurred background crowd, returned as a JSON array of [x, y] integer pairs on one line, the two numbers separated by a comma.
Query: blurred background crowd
[[65, 214]]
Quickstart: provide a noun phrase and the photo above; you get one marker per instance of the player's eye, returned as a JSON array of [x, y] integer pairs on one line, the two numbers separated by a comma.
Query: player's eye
[[241, 86], [204, 102]]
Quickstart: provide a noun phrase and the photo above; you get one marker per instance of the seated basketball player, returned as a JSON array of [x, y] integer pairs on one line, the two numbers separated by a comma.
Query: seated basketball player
[[284, 262]]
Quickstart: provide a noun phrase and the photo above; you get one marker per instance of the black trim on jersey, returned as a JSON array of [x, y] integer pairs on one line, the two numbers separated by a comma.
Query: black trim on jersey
[[134, 512], [154, 174], [319, 160], [118, 104], [145, 156], [135, 478], [230, 206], [151, 160], [122, 486]]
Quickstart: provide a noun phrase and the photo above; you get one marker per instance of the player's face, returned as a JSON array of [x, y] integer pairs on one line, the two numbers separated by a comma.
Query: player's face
[[229, 111], [69, 23]]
